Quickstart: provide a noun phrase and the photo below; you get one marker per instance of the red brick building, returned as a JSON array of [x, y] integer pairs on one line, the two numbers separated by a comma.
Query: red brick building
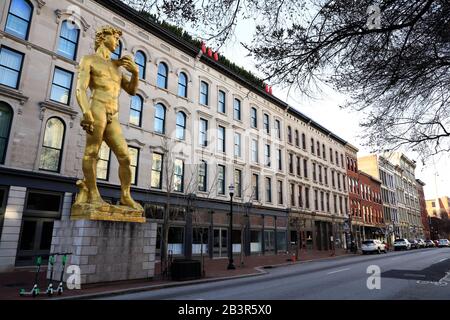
[[423, 208], [371, 210]]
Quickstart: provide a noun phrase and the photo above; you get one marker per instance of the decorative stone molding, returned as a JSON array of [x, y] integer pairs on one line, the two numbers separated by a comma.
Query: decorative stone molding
[[14, 94], [136, 142], [40, 4], [64, 14], [58, 107]]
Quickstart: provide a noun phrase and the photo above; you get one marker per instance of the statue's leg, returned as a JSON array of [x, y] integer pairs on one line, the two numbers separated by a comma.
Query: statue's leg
[[114, 138], [93, 144]]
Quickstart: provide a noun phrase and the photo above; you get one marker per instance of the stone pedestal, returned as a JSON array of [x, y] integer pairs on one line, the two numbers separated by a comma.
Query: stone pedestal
[[106, 250]]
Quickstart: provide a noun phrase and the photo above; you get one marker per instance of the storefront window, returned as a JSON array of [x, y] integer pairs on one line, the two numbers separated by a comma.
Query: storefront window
[[199, 238], [255, 241], [281, 241], [176, 240]]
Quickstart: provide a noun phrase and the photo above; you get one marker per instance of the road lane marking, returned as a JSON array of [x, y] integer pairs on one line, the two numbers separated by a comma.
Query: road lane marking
[[414, 275], [338, 271], [442, 259]]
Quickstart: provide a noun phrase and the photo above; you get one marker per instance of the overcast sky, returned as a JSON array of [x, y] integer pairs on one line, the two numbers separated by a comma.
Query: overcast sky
[[325, 110]]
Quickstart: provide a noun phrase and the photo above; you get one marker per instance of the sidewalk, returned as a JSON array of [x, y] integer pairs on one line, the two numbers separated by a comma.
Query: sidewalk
[[215, 269]]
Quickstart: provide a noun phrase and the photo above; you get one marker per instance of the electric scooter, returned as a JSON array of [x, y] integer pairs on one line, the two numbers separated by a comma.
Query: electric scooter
[[35, 291], [51, 261], [60, 288]]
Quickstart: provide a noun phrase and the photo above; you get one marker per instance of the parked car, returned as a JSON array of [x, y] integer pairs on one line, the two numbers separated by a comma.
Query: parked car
[[414, 244], [402, 244], [422, 243], [430, 244], [436, 242], [444, 243], [372, 246]]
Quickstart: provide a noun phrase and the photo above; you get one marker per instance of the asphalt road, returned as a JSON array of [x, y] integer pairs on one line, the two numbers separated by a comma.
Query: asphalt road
[[415, 274]]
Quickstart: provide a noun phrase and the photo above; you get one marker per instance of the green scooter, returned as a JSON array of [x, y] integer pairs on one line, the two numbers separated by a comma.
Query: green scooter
[[60, 288], [35, 291], [51, 261]]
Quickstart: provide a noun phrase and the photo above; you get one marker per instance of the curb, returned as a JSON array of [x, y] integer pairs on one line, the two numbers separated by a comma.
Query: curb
[[260, 271]]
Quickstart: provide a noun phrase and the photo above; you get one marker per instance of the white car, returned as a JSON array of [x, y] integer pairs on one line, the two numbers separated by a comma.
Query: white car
[[371, 246], [443, 243], [402, 244]]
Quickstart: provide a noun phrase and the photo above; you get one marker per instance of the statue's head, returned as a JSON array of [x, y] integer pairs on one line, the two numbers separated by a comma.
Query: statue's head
[[108, 36]]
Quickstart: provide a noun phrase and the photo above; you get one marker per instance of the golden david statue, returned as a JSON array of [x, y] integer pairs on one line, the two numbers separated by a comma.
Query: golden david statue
[[100, 120]]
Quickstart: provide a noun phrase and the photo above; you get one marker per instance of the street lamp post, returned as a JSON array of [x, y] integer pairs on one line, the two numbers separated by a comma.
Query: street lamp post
[[230, 231]]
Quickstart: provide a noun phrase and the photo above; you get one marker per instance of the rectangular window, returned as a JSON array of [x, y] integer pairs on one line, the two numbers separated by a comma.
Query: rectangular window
[[237, 109], [305, 168], [316, 200], [300, 196], [307, 198], [320, 174], [254, 118], [203, 176], [203, 135], [339, 180], [267, 155], [134, 163], [335, 203], [103, 162], [11, 63], [325, 174], [221, 102], [255, 186], [280, 160], [266, 123], [61, 86], [268, 190], [238, 183], [280, 192], [204, 93], [255, 151], [221, 139], [331, 155], [178, 175], [278, 129], [221, 179], [291, 164], [299, 170], [322, 204], [314, 172], [237, 145], [332, 179], [292, 195], [157, 166], [328, 202]]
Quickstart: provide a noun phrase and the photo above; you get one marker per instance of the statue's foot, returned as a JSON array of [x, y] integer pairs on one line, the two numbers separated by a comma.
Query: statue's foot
[[129, 202], [97, 200]]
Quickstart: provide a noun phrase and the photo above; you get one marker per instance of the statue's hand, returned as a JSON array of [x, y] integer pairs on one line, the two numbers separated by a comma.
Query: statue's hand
[[88, 122], [128, 63]]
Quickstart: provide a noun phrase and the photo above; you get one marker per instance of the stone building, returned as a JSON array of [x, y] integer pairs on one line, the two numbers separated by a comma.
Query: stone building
[[194, 128], [439, 207], [354, 195], [380, 168]]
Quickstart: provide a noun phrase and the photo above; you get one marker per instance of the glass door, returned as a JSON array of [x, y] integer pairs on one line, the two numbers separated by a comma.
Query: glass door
[[220, 242]]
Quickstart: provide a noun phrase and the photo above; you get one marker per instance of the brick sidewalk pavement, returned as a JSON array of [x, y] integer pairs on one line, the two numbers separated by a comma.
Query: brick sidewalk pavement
[[12, 282]]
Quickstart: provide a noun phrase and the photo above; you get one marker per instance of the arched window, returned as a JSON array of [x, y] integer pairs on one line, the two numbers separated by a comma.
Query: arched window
[[141, 62], [6, 115], [181, 126], [161, 80], [160, 118], [68, 40], [182, 85], [116, 55], [19, 18], [52, 146], [136, 110]]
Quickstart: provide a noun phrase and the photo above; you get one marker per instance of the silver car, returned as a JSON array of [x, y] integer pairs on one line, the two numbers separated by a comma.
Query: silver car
[[371, 246], [443, 243]]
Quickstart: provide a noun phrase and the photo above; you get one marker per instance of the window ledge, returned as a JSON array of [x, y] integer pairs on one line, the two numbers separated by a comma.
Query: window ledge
[[59, 107], [14, 94]]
